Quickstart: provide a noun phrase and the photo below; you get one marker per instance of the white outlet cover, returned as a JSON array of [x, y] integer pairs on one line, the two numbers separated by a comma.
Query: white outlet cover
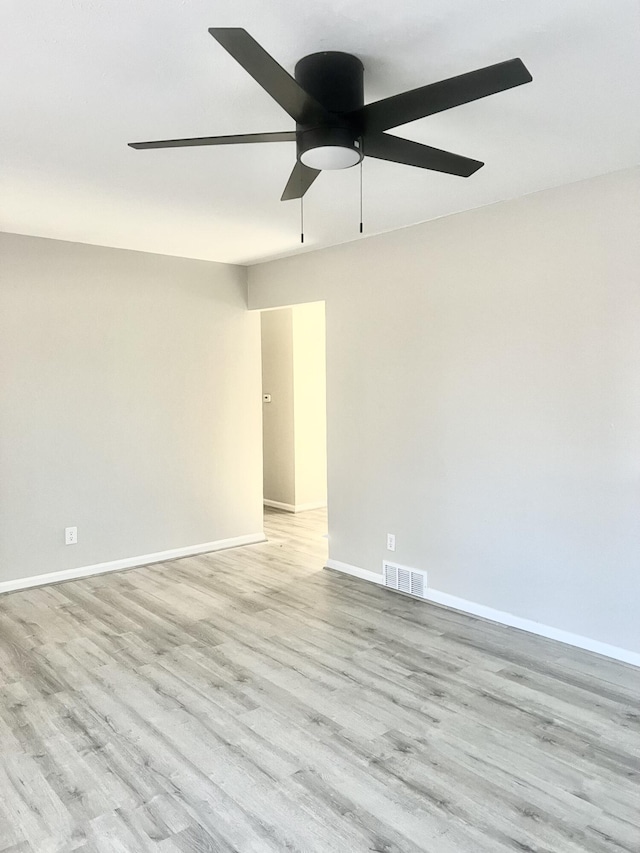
[[71, 536]]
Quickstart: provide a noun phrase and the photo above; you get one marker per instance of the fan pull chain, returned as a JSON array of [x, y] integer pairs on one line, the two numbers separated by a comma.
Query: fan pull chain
[[302, 219], [361, 229]]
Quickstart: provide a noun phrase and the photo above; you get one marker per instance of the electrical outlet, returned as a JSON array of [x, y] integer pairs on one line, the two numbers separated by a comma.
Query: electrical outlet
[[391, 541], [71, 536]]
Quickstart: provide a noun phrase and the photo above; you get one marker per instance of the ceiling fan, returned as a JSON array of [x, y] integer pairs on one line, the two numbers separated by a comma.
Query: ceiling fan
[[334, 127]]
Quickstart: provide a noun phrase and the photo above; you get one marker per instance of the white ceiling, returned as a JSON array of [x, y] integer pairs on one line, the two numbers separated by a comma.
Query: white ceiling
[[81, 78]]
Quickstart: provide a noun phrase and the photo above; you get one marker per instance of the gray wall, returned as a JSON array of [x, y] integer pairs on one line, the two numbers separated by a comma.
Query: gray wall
[[483, 399], [129, 404]]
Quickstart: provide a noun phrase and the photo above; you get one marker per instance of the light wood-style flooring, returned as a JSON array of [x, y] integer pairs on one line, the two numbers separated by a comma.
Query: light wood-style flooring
[[249, 700]]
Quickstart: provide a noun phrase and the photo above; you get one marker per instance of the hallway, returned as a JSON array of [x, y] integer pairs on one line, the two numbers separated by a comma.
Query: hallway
[[302, 534]]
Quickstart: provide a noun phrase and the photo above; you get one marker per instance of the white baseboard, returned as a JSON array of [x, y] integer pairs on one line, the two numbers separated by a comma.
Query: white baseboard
[[130, 562], [279, 505], [452, 602], [313, 505], [363, 574], [294, 508]]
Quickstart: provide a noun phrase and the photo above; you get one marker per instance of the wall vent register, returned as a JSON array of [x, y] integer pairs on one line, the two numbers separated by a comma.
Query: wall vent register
[[403, 579]]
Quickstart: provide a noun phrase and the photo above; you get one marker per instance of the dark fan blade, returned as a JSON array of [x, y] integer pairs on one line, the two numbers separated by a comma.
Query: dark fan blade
[[283, 136], [299, 181], [383, 146], [269, 74], [436, 97]]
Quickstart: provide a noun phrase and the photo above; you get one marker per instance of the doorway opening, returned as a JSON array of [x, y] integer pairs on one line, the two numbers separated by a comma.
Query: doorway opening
[[294, 422]]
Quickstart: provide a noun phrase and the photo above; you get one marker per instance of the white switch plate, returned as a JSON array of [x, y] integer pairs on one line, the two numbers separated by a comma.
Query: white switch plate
[[71, 536], [391, 542]]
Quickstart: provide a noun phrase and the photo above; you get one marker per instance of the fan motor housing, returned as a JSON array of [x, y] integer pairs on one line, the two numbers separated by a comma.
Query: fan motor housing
[[336, 81]]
